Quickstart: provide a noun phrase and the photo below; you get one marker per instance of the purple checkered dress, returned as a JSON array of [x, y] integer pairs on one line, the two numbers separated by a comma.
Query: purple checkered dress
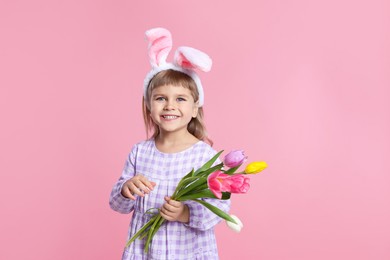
[[174, 240]]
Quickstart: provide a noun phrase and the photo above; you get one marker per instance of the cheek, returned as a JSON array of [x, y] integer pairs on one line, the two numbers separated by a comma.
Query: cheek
[[148, 108], [154, 107], [153, 112]]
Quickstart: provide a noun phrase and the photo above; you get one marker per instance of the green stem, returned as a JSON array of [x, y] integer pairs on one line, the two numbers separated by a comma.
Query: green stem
[[152, 231], [150, 222], [231, 171], [216, 210], [198, 183], [207, 172], [180, 184], [208, 164]]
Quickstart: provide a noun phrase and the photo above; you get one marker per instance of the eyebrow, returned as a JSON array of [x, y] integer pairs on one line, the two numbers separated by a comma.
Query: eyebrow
[[179, 95], [183, 95]]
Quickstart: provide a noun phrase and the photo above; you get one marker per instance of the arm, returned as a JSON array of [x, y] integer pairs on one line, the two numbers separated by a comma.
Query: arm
[[202, 218], [192, 213], [118, 202]]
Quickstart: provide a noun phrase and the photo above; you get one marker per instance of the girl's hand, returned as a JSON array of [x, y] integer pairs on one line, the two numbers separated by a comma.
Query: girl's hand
[[138, 185], [173, 210]]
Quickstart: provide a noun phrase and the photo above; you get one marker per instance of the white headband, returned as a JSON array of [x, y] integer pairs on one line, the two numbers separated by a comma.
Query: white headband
[[186, 59]]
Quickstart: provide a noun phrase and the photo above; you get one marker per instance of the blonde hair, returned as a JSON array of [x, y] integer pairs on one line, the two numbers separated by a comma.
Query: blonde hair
[[172, 77]]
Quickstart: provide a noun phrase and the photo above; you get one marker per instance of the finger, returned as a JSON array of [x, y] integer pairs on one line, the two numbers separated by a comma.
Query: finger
[[141, 184], [135, 190], [165, 216], [127, 193], [148, 184], [175, 203], [138, 177], [142, 187], [169, 208], [169, 214]]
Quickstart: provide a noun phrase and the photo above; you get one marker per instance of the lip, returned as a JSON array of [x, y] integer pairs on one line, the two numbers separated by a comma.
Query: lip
[[169, 117]]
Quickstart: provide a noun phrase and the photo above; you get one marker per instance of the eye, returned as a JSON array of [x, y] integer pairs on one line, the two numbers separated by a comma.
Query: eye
[[180, 99], [160, 98]]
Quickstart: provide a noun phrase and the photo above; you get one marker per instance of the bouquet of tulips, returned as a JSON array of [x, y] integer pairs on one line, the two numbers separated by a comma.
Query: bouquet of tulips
[[208, 182]]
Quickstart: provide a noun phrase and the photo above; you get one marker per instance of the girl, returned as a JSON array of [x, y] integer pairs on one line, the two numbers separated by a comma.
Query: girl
[[172, 108]]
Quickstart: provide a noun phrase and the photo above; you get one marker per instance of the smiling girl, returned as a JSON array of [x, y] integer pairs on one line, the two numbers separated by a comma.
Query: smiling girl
[[172, 110]]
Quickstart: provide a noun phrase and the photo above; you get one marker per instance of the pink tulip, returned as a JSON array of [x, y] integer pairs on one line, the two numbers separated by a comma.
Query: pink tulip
[[215, 182], [219, 182], [239, 183], [234, 158]]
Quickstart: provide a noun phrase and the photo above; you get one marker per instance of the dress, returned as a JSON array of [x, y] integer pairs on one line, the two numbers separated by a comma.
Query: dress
[[174, 240]]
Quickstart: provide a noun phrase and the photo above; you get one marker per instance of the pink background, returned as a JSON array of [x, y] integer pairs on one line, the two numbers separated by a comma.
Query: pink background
[[303, 85]]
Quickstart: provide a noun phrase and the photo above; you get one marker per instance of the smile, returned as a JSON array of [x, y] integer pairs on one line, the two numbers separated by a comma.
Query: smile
[[169, 117]]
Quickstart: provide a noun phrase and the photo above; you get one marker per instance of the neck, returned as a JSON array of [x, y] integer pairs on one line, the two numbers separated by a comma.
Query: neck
[[175, 142], [174, 138]]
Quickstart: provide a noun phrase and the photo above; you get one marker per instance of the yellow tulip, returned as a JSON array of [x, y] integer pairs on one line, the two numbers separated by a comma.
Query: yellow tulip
[[255, 167]]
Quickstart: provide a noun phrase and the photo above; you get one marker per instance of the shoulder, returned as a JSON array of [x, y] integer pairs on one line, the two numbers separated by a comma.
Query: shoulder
[[144, 143], [142, 146], [201, 153], [205, 148]]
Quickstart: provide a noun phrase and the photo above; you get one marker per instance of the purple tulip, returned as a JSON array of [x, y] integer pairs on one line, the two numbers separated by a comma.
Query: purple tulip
[[234, 158]]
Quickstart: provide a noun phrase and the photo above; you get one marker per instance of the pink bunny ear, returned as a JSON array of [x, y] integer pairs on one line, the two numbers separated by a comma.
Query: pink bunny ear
[[190, 58], [160, 44]]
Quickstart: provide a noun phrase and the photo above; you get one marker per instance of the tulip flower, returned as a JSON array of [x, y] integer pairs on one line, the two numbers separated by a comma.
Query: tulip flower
[[219, 182], [211, 180], [234, 158], [255, 167], [239, 183], [235, 227]]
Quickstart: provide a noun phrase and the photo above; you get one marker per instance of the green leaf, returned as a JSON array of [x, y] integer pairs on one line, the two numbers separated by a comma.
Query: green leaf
[[232, 170], [152, 231], [207, 172], [216, 210], [152, 211], [146, 226], [184, 179], [200, 182], [204, 194], [189, 183], [188, 174], [186, 183], [225, 195], [208, 164], [199, 188]]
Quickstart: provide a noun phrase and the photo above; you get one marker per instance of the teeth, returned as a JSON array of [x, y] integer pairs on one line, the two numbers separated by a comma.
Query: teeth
[[169, 117]]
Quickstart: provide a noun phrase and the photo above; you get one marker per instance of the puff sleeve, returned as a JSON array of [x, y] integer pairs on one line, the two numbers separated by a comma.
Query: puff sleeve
[[117, 201]]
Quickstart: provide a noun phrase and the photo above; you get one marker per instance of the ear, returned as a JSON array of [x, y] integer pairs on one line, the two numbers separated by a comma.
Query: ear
[[160, 44], [190, 58], [195, 110]]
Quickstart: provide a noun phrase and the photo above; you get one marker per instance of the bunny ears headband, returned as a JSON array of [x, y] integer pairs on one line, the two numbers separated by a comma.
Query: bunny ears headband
[[186, 59]]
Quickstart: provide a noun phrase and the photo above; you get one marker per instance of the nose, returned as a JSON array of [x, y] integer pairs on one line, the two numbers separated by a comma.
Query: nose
[[169, 105]]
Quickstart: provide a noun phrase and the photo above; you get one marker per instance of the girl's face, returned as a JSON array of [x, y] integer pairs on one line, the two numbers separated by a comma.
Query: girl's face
[[172, 108]]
